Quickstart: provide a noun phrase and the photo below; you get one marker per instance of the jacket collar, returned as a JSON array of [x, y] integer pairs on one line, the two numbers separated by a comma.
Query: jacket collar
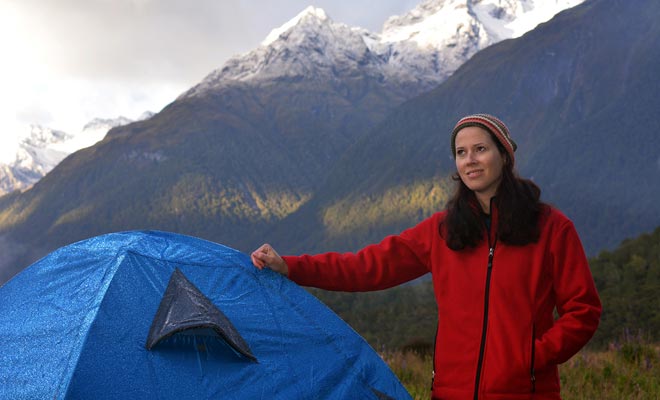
[[491, 233], [494, 220]]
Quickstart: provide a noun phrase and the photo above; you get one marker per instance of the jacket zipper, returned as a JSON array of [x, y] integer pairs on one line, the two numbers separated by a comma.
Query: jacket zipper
[[482, 347], [531, 370]]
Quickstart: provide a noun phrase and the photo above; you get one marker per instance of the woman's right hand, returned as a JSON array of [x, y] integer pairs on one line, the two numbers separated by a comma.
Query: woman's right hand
[[266, 256]]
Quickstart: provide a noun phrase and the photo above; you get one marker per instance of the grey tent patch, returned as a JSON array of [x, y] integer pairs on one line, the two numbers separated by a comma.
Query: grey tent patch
[[185, 310], [380, 395]]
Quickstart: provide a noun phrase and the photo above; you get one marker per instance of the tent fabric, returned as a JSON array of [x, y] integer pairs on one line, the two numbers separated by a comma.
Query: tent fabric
[[75, 325]]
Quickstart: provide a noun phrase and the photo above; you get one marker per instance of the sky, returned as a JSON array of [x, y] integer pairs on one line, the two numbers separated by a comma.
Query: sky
[[66, 62]]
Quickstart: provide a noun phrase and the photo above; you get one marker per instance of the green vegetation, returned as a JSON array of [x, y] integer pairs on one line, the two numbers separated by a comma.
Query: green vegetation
[[397, 318], [628, 280], [206, 196], [373, 212]]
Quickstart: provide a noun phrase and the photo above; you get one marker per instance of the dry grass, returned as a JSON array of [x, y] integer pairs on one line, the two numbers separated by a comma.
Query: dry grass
[[630, 371]]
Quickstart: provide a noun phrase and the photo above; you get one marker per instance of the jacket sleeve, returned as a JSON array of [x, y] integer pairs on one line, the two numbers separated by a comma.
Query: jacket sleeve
[[577, 301], [396, 259]]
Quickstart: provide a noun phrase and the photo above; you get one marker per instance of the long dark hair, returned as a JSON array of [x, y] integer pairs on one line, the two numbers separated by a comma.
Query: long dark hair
[[518, 206]]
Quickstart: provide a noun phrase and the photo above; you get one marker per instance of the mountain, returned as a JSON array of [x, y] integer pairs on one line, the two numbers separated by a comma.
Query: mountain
[[233, 156], [40, 149], [580, 98], [419, 49], [34, 158], [435, 38]]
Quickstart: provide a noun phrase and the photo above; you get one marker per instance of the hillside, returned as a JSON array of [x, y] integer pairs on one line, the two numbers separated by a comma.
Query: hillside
[[580, 98], [216, 166], [249, 145]]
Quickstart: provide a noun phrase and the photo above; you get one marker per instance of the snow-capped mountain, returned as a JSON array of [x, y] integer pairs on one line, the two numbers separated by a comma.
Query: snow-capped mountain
[[40, 149], [34, 158], [423, 46], [310, 44], [414, 52], [438, 36]]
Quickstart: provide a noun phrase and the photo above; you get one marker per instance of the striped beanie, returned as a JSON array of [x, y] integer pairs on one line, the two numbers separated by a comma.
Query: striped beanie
[[492, 125]]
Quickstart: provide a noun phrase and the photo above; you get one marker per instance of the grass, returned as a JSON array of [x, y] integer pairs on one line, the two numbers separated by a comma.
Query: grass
[[414, 371], [629, 370]]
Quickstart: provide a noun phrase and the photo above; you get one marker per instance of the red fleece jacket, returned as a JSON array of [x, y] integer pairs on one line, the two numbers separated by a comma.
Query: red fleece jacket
[[497, 337]]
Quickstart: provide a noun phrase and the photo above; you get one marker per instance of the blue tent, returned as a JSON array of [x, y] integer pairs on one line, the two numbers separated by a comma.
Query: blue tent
[[155, 315]]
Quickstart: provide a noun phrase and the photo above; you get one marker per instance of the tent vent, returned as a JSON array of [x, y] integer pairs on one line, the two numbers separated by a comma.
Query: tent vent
[[185, 310]]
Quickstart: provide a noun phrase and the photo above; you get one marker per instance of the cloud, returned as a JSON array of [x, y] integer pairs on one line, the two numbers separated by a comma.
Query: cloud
[[167, 39], [67, 61], [34, 112], [125, 39]]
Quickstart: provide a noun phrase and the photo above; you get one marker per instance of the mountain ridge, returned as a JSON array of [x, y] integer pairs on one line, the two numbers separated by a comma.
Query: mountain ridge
[[42, 148], [420, 48], [411, 51], [224, 164]]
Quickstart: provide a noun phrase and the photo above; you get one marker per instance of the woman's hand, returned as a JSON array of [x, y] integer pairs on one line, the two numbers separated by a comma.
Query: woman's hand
[[266, 256]]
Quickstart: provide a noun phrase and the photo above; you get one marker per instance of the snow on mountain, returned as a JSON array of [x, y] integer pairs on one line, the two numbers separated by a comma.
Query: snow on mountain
[[313, 12], [91, 133], [34, 157], [40, 149], [309, 44], [423, 46], [438, 36]]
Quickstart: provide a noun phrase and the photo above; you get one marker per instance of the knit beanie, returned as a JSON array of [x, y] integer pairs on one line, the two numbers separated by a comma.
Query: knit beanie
[[492, 125]]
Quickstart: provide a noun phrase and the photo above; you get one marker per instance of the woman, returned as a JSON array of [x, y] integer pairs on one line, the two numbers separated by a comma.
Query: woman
[[501, 262]]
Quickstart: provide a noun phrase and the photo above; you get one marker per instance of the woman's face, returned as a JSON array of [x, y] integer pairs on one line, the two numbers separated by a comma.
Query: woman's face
[[479, 162]]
